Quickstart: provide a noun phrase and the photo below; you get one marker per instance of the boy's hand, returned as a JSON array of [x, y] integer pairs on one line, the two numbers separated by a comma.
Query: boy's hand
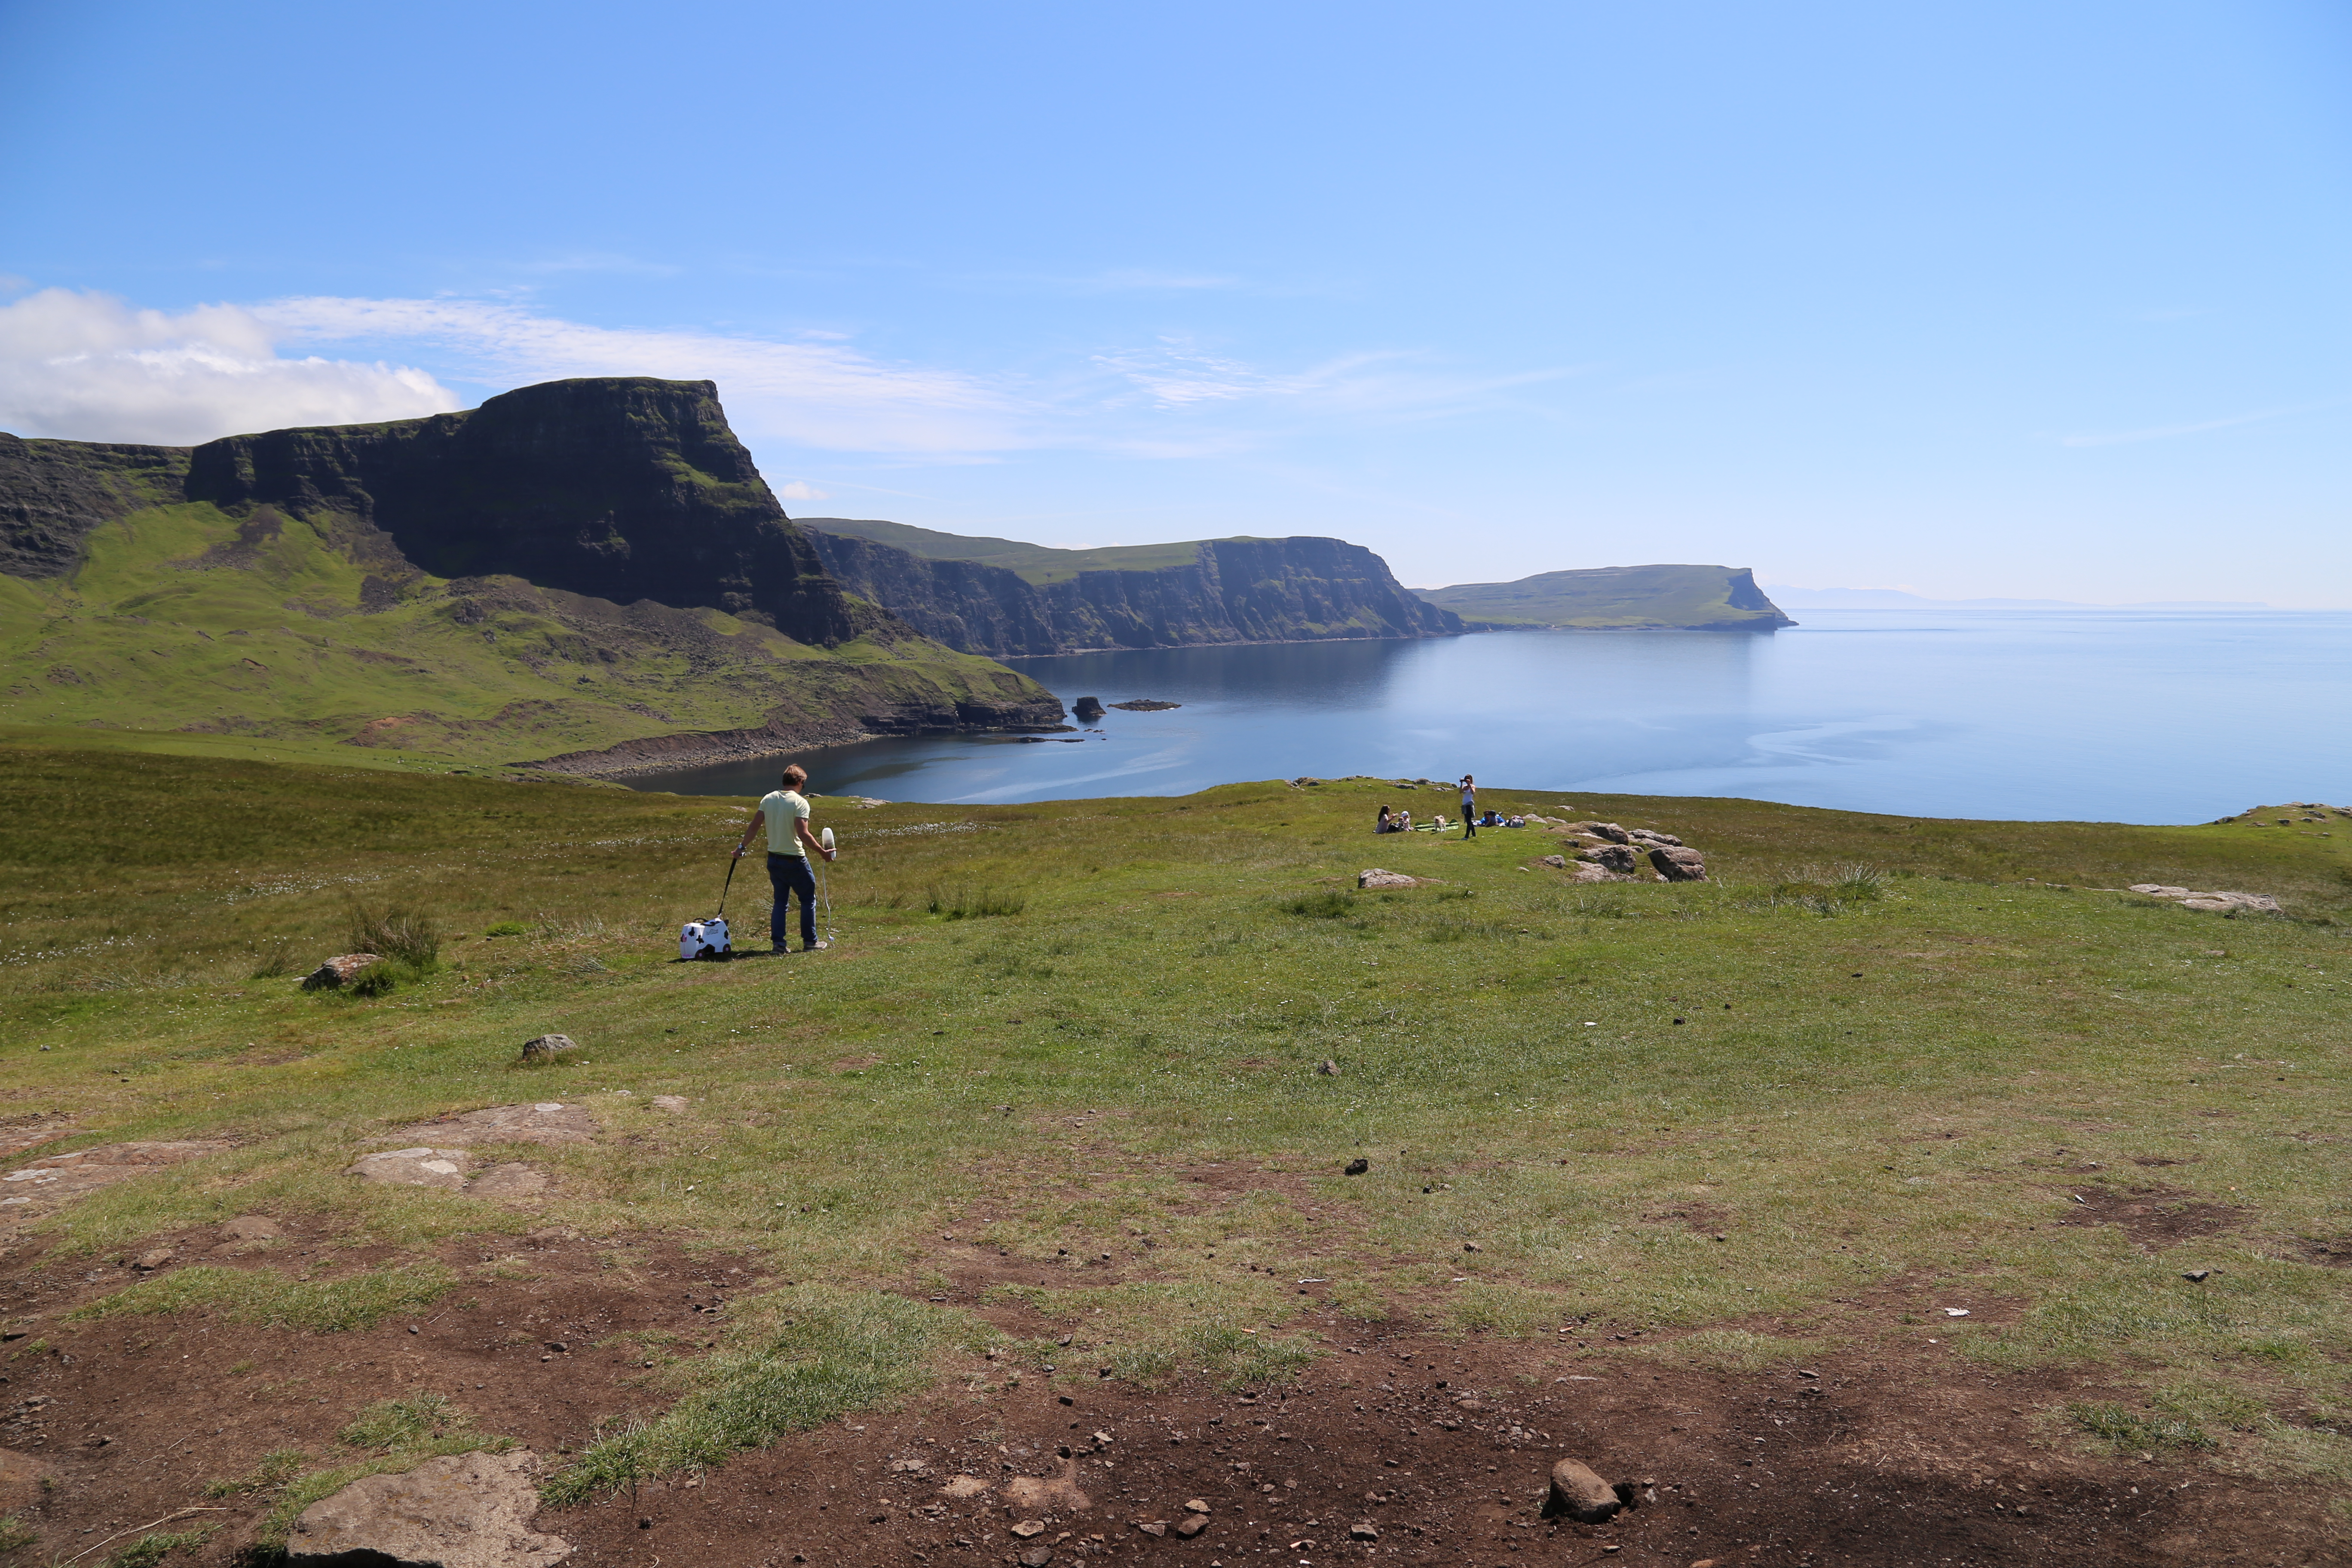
[[738, 852]]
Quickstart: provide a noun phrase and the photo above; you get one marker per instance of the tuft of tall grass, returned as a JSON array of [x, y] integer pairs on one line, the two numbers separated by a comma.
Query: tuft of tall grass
[[395, 1423], [2133, 1433], [1326, 905], [269, 1298], [405, 935]]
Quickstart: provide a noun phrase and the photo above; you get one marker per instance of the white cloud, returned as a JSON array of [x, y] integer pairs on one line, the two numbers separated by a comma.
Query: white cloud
[[2167, 432], [810, 394], [89, 367], [801, 490], [1176, 376]]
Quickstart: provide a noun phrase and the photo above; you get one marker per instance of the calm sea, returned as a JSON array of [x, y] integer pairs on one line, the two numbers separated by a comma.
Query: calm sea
[[2111, 715]]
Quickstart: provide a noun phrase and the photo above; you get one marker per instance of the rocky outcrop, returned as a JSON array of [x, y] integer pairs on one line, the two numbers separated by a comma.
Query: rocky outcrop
[[464, 1510], [625, 487], [52, 493], [1230, 591]]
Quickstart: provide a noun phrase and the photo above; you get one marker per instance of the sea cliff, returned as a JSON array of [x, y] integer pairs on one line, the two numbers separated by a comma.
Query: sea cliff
[[1007, 598]]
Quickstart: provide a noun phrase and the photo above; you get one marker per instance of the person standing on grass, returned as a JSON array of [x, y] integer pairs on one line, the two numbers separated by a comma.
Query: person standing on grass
[[784, 813], [1469, 808]]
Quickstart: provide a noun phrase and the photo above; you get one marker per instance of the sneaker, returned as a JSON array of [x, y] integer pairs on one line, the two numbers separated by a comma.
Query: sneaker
[[815, 946]]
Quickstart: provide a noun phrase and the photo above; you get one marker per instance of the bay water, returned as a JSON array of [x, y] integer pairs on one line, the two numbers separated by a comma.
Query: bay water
[[2104, 715]]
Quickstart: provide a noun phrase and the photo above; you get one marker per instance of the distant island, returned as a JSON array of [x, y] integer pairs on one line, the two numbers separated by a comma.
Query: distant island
[[1617, 598], [1004, 598]]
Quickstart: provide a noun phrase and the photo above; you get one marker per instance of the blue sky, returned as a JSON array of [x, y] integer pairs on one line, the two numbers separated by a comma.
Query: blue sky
[[1972, 299]]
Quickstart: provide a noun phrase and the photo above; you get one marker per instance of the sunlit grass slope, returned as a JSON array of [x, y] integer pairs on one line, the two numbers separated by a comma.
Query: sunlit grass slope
[[1868, 1072], [183, 619]]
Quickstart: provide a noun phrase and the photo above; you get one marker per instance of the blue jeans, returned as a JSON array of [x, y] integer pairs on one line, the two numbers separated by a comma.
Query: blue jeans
[[790, 874]]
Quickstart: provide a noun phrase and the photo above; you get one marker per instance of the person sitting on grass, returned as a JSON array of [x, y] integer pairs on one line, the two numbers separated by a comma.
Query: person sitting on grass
[[784, 813], [1386, 823]]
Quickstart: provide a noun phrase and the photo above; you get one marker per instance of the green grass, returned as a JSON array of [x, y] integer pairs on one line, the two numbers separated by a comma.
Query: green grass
[[1905, 1045], [267, 1297], [1037, 563], [278, 653], [791, 1359]]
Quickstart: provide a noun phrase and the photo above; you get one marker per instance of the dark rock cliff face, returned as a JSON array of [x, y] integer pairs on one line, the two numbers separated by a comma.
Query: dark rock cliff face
[[1236, 590], [622, 488], [52, 493]]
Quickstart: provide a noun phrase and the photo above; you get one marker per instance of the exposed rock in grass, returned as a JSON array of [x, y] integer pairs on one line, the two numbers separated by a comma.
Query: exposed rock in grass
[[1598, 874], [469, 1510], [513, 1180], [1609, 830], [340, 971], [2212, 903], [1557, 862], [673, 1103], [545, 1047], [546, 1122], [412, 1167], [1579, 1494], [251, 1228], [1679, 865], [1614, 858], [48, 1183], [1645, 836], [1377, 877]]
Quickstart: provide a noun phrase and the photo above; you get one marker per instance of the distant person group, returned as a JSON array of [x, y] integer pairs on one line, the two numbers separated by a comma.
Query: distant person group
[[1391, 820]]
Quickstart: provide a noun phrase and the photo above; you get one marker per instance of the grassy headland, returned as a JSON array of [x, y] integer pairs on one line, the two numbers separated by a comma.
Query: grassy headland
[[1616, 598], [1879, 1067]]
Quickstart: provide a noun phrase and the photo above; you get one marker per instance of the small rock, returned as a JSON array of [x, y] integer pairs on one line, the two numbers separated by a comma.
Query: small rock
[[2198, 1276], [1578, 1494], [1377, 877], [1192, 1524], [251, 1228], [1037, 1556], [339, 971], [1028, 1528], [673, 1103], [962, 1486], [1557, 862], [907, 1467], [1472, 1247], [412, 1167], [1469, 1404], [1328, 1068], [1679, 865], [545, 1047], [1357, 1167], [1196, 1505], [1153, 1526], [1364, 1529], [156, 1258]]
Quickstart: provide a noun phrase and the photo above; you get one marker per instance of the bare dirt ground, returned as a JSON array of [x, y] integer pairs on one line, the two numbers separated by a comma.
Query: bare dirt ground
[[1397, 1446]]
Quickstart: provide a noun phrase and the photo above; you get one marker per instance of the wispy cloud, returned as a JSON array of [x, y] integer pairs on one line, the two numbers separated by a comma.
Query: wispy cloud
[[2167, 432], [1174, 376], [87, 366], [801, 490], [811, 393]]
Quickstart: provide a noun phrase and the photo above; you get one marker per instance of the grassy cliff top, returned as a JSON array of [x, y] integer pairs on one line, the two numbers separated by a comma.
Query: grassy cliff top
[[1036, 563], [270, 630], [1048, 1123], [1617, 597]]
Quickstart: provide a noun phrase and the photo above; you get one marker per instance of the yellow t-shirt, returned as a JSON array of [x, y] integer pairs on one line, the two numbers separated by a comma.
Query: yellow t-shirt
[[785, 810]]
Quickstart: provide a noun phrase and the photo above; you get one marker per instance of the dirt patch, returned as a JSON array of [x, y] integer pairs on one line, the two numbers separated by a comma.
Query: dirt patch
[[2336, 1253], [546, 1122], [854, 1063], [1706, 1219], [44, 1186], [2153, 1218], [1440, 1445]]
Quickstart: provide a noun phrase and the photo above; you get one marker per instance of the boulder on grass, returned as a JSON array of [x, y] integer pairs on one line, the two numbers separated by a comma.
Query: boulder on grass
[[1679, 865], [1377, 877], [1645, 836], [340, 971], [1609, 830], [1617, 858], [543, 1048]]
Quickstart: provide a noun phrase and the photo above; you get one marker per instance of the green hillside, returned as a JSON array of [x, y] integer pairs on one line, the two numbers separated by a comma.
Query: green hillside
[[182, 618], [1631, 598], [1035, 563]]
